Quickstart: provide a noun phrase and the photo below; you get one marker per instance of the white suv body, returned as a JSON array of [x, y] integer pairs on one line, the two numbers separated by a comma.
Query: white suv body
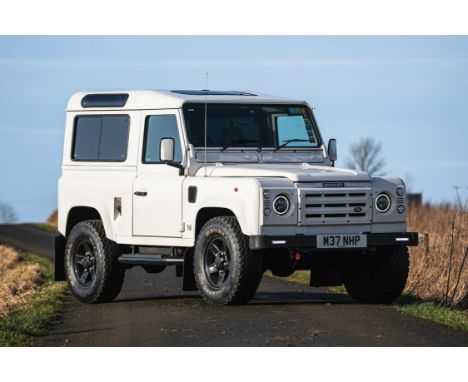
[[154, 167]]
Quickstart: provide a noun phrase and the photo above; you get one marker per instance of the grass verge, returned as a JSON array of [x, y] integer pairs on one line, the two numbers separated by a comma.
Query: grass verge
[[31, 318], [428, 310]]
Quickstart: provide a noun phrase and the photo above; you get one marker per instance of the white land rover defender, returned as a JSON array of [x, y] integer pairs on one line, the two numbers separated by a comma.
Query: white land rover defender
[[224, 185]]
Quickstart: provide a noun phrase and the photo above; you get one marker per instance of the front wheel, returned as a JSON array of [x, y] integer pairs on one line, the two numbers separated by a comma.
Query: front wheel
[[379, 279], [91, 264], [226, 271]]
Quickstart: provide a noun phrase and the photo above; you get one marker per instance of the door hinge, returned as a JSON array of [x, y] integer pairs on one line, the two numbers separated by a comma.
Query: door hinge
[[182, 227]]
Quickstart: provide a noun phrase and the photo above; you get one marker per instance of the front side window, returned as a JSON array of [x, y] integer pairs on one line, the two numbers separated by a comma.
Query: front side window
[[238, 125], [101, 138], [158, 127]]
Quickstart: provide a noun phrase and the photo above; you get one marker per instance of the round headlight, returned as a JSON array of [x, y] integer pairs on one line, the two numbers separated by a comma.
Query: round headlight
[[281, 204], [382, 203], [400, 191]]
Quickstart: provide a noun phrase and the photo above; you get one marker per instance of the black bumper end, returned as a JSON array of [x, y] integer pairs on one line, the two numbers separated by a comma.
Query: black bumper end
[[401, 239]]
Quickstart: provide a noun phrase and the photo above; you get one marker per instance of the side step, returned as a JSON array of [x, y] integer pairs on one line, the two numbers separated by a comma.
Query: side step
[[148, 259]]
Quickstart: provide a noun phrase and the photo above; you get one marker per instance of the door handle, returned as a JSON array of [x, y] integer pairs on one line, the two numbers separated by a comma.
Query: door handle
[[140, 193]]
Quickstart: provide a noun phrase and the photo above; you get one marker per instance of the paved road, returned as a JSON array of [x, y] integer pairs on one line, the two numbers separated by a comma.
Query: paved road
[[153, 311]]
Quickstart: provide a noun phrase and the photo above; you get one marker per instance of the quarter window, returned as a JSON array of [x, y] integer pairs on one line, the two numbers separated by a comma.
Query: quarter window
[[158, 127], [101, 138]]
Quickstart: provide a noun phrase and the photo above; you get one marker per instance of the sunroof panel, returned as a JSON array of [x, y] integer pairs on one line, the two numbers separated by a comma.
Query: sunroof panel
[[213, 92]]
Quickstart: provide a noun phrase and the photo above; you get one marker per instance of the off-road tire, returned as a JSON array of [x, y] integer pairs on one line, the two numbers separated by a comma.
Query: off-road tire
[[109, 274], [245, 272], [381, 278]]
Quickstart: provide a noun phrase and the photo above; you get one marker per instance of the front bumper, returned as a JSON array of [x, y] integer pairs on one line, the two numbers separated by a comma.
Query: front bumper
[[401, 239]]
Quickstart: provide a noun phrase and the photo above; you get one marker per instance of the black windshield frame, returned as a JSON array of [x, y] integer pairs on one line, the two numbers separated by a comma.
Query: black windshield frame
[[196, 135]]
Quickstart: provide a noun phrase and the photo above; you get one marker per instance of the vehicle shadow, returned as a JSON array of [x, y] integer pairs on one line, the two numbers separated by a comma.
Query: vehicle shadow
[[261, 298], [291, 298]]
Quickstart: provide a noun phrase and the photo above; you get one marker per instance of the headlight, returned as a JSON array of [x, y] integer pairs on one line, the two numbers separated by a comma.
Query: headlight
[[382, 203], [281, 204], [400, 191]]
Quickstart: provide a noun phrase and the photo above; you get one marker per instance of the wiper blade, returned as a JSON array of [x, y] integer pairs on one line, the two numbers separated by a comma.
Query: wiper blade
[[288, 141], [238, 142]]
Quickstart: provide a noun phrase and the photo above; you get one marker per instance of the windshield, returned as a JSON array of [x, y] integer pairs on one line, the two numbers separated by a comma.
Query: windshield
[[229, 125]]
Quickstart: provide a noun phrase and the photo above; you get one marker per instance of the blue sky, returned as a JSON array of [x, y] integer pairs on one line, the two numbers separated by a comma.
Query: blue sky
[[410, 93]]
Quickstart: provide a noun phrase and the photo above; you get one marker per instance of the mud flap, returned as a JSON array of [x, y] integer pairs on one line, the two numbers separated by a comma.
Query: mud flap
[[59, 259], [188, 281]]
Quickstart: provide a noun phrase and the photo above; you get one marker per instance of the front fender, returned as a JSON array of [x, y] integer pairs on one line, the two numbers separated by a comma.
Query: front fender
[[240, 196]]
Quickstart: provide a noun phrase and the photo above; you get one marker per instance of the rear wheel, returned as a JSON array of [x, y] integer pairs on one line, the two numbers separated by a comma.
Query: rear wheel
[[91, 264], [226, 272], [380, 278]]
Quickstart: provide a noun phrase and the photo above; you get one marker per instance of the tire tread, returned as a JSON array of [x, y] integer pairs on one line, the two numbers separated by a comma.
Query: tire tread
[[250, 269], [113, 273], [388, 281]]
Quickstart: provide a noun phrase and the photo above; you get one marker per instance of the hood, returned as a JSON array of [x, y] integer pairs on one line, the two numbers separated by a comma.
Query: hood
[[299, 173]]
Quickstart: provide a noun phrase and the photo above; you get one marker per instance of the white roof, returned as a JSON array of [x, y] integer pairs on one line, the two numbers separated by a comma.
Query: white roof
[[168, 99]]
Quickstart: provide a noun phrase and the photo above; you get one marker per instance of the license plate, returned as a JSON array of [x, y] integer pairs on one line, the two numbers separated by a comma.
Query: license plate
[[341, 241]]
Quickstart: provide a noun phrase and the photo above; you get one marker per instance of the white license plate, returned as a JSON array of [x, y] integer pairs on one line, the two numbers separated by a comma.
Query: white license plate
[[341, 241]]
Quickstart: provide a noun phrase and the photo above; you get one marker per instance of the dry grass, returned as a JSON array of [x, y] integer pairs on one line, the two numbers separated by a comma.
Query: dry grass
[[439, 265], [18, 280], [32, 299], [8, 257]]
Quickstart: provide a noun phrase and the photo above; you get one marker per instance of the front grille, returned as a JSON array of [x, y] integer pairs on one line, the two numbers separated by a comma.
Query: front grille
[[335, 206]]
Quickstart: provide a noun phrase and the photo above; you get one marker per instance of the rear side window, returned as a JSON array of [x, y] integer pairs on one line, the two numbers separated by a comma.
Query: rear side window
[[101, 138]]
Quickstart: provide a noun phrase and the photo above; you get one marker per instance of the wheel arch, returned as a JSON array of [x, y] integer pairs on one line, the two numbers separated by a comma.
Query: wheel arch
[[207, 213], [77, 214]]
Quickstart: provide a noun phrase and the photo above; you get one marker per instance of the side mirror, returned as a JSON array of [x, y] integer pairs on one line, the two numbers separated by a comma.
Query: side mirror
[[332, 151], [166, 150]]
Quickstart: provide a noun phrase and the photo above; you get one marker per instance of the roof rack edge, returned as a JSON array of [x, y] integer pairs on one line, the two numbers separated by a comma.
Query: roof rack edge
[[214, 92]]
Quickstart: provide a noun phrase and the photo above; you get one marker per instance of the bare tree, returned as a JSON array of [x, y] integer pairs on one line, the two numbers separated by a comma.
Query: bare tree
[[366, 156], [409, 182], [7, 213]]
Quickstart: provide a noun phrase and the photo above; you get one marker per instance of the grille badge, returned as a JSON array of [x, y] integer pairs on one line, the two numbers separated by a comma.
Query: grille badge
[[357, 209], [332, 184]]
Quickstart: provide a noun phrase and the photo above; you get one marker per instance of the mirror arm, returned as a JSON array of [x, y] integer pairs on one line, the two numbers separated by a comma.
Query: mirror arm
[[176, 165]]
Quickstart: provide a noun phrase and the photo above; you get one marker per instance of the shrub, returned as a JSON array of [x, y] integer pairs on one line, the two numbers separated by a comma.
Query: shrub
[[439, 265]]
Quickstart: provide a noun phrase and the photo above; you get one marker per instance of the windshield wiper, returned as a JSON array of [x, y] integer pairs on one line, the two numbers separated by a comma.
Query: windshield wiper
[[288, 141], [238, 142]]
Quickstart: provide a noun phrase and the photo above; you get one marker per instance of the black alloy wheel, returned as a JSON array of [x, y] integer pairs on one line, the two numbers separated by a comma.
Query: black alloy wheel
[[217, 261], [84, 261]]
